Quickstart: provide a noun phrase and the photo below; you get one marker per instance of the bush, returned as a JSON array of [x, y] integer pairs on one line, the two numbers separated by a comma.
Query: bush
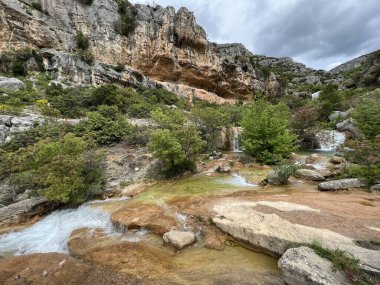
[[284, 170], [209, 122], [367, 118], [67, 170], [175, 143], [106, 126], [119, 67], [109, 95], [303, 123], [82, 41], [126, 24], [266, 135], [86, 55]]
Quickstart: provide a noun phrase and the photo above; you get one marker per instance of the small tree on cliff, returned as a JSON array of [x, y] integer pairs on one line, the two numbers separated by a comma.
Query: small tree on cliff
[[266, 135]]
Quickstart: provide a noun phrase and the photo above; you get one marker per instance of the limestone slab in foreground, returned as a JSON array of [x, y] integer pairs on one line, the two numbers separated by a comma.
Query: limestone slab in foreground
[[302, 266], [271, 233], [179, 239], [341, 184]]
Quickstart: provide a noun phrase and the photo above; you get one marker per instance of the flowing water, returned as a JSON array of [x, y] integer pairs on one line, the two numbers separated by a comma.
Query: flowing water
[[52, 232], [235, 141], [330, 140]]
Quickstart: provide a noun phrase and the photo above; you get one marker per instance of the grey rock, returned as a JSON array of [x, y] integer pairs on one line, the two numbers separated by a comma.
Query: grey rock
[[302, 266], [310, 175], [375, 187], [10, 83], [21, 211], [346, 125], [272, 234], [223, 169], [340, 114], [179, 239], [341, 184], [316, 95]]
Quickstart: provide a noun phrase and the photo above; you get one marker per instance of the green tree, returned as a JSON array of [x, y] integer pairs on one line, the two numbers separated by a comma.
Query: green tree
[[67, 170], [209, 122], [367, 118], [265, 132], [106, 126], [175, 142]]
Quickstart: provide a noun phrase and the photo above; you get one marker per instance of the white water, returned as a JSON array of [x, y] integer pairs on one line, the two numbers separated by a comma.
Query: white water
[[238, 180], [235, 141], [51, 234], [330, 140]]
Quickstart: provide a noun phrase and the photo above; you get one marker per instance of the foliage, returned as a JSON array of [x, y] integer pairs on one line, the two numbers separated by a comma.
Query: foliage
[[82, 41], [209, 121], [266, 135], [175, 142], [105, 126], [86, 55], [331, 100], [367, 118], [31, 136], [343, 262], [15, 62], [108, 95], [303, 123], [366, 154], [284, 170], [119, 67], [67, 170], [126, 23]]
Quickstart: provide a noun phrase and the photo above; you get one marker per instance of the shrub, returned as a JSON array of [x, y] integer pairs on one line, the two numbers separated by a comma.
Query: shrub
[[209, 122], [175, 143], [106, 126], [119, 67], [265, 132], [367, 118], [37, 6], [67, 170], [86, 55], [108, 95], [82, 41], [126, 24], [303, 123], [284, 170]]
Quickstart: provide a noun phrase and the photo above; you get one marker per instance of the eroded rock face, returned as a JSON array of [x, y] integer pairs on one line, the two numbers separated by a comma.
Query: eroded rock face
[[273, 234], [341, 184], [302, 266], [151, 217], [179, 239]]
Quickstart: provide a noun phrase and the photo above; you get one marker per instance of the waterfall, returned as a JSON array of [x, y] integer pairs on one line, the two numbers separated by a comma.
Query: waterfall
[[52, 233], [235, 141], [330, 140]]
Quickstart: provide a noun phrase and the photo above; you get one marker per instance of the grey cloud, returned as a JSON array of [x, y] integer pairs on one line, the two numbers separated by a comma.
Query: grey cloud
[[317, 33]]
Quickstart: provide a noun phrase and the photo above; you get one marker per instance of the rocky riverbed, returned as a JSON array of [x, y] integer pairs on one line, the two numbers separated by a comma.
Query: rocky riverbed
[[211, 228]]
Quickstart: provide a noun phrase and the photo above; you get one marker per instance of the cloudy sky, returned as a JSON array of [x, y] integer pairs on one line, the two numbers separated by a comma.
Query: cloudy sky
[[319, 33]]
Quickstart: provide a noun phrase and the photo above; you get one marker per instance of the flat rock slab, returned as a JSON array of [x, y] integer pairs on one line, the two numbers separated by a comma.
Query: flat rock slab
[[341, 184], [272, 234], [302, 266], [179, 239]]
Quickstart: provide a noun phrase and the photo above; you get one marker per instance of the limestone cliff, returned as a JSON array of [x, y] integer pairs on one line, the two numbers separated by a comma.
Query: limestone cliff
[[166, 47]]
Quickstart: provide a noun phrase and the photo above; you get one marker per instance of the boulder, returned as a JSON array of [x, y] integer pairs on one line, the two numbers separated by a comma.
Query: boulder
[[337, 160], [272, 234], [312, 158], [340, 114], [272, 179], [223, 169], [179, 239], [341, 184], [10, 83], [309, 174], [346, 125], [23, 210], [302, 266], [152, 217]]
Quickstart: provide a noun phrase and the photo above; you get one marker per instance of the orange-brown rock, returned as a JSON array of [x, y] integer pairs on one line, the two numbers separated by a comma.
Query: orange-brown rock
[[151, 217], [56, 269]]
